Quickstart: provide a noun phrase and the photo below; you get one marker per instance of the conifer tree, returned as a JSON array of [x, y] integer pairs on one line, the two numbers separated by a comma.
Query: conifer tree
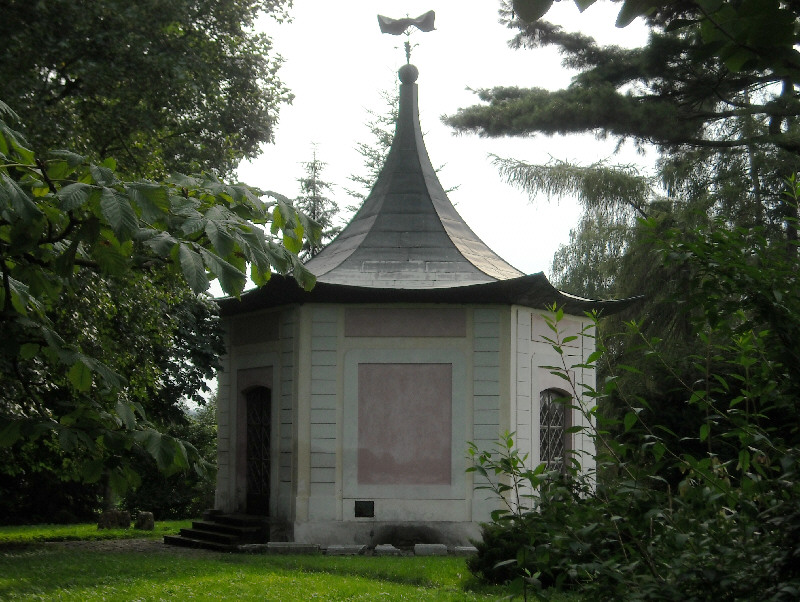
[[317, 205], [381, 126]]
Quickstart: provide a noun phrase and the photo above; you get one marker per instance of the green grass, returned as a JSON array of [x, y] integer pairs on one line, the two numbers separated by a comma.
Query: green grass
[[31, 570], [48, 572], [28, 534]]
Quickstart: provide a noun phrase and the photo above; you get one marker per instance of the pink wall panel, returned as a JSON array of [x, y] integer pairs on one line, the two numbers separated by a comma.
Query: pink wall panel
[[405, 322], [404, 424]]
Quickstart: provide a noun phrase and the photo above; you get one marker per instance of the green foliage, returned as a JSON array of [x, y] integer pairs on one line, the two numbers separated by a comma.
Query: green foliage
[[183, 494], [707, 513], [64, 219], [381, 128], [750, 34], [163, 85], [314, 202], [677, 92]]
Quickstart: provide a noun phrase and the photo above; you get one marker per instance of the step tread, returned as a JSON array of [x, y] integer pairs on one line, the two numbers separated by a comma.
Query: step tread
[[206, 525], [211, 536], [244, 520], [189, 542]]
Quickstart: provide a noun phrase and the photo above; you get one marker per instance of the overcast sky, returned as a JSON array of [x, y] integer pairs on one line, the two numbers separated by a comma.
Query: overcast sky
[[337, 62]]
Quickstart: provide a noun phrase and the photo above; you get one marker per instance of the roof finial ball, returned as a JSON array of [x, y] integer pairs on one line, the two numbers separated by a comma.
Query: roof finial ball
[[408, 73]]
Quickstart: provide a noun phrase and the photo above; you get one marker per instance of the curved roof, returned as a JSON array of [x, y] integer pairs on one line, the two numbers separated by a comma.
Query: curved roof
[[408, 244], [530, 291], [407, 234]]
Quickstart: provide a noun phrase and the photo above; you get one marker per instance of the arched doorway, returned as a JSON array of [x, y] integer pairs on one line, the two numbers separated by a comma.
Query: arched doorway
[[259, 426]]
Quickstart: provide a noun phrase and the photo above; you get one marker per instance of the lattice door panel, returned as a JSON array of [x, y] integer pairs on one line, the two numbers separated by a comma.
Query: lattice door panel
[[258, 450]]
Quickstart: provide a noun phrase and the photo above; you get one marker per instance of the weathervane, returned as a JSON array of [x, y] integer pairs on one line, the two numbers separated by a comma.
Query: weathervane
[[399, 26]]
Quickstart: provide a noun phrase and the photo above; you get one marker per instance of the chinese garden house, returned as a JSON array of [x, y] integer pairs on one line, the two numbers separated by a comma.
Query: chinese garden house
[[345, 412]]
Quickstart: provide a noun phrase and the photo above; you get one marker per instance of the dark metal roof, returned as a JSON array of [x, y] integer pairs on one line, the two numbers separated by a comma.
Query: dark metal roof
[[530, 291], [408, 244], [407, 233]]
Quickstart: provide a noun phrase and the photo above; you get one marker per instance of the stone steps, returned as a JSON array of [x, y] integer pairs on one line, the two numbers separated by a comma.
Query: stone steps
[[222, 532]]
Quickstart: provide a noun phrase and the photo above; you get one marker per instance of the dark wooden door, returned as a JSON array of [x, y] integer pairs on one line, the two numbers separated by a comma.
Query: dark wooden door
[[259, 402]]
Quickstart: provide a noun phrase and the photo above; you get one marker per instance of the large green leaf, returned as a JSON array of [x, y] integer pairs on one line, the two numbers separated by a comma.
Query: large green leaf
[[118, 212], [103, 175], [112, 256], [216, 231], [22, 205], [152, 200], [159, 446], [160, 242], [230, 278], [193, 268], [632, 9], [126, 414], [80, 376]]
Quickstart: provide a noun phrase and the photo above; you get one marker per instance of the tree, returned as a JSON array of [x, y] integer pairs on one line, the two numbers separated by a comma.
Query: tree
[[727, 525], [314, 203], [381, 127], [700, 454], [160, 85], [184, 494], [62, 218], [684, 92], [165, 86]]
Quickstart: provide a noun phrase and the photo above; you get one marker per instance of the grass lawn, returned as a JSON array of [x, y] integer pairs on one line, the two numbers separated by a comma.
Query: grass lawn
[[27, 534], [39, 571], [68, 574]]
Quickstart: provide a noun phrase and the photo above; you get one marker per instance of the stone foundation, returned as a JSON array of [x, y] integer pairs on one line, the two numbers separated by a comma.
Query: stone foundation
[[399, 534]]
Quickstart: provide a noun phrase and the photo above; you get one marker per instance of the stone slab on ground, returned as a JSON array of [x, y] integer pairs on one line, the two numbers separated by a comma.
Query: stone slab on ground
[[430, 549], [290, 547], [387, 549], [464, 550], [253, 548], [338, 550]]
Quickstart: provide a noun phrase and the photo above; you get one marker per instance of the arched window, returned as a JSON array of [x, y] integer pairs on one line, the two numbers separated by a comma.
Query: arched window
[[554, 420]]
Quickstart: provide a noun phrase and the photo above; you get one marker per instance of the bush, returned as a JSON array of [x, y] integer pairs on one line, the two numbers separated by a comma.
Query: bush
[[658, 520]]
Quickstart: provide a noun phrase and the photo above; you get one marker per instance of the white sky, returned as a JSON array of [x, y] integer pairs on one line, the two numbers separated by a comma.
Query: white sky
[[337, 62]]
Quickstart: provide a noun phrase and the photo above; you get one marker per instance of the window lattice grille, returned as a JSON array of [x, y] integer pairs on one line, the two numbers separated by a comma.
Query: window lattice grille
[[553, 424]]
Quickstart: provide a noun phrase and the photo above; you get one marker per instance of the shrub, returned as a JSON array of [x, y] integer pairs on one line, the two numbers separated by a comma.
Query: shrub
[[658, 520]]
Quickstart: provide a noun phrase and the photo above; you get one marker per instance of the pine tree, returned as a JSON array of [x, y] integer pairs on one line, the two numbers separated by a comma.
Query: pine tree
[[381, 126], [314, 202], [727, 131]]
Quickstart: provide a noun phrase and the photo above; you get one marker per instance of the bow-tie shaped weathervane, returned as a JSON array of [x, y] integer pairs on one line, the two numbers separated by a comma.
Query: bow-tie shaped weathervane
[[398, 26]]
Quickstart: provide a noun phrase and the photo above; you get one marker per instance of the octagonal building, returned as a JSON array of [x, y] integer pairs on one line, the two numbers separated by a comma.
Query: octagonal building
[[345, 412]]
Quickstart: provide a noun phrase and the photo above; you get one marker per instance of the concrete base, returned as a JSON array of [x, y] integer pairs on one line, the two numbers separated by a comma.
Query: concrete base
[[283, 547], [355, 550], [430, 549], [399, 534], [387, 549]]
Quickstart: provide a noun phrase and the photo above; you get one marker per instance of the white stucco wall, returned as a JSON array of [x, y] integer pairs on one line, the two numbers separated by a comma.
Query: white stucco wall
[[533, 352], [496, 355]]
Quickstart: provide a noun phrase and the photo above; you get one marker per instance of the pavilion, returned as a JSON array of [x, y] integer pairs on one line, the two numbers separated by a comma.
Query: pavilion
[[345, 411]]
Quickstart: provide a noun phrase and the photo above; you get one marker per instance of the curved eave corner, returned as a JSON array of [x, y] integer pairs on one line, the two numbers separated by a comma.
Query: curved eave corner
[[533, 291]]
